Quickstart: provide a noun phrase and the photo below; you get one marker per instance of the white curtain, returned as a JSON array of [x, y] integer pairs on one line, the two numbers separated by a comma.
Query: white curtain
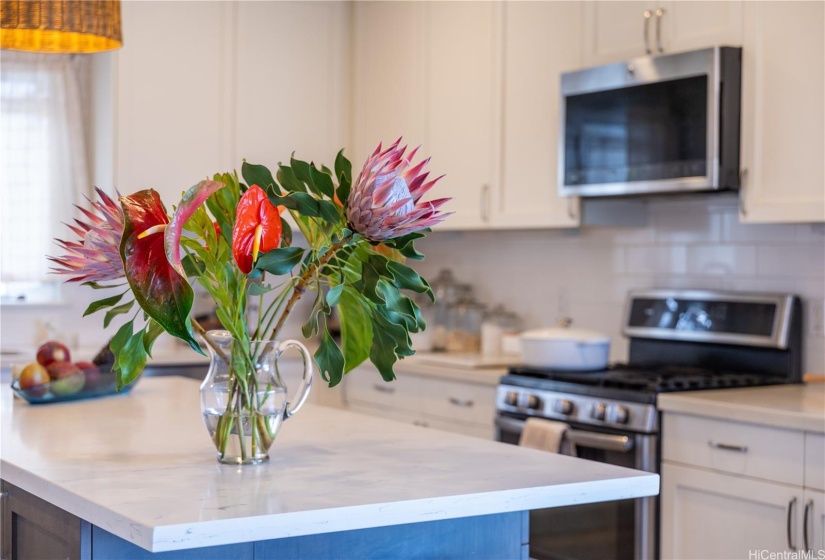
[[43, 164]]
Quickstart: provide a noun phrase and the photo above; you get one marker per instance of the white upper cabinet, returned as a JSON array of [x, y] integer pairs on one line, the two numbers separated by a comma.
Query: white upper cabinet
[[463, 44], [388, 76], [541, 40], [616, 31], [292, 73], [170, 87], [783, 87], [201, 85]]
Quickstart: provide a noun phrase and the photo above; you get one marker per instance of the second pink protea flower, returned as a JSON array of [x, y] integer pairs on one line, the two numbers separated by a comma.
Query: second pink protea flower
[[385, 201], [95, 256]]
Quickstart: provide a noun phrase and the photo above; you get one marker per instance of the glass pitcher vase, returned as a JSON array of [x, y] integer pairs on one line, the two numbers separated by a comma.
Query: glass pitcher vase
[[244, 399]]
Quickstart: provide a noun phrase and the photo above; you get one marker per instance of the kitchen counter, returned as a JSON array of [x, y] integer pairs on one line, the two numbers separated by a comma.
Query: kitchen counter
[[799, 407], [141, 467], [425, 365]]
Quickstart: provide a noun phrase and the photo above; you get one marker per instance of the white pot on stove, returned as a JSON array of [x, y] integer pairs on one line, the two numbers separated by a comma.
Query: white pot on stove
[[565, 349]]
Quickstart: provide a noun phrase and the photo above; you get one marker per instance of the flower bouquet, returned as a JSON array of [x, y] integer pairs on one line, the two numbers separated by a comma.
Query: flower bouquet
[[227, 234]]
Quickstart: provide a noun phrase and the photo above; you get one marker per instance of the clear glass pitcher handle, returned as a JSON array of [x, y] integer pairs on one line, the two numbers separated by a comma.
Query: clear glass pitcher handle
[[306, 382]]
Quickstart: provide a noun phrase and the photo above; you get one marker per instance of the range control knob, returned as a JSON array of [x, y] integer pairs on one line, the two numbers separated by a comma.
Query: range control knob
[[598, 411], [511, 398], [618, 414], [563, 406], [533, 402]]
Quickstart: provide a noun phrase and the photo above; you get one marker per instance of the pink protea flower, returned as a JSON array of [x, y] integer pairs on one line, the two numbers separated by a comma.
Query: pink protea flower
[[95, 256], [385, 200]]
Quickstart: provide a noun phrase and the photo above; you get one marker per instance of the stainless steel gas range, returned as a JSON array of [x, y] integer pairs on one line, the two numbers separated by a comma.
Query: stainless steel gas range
[[679, 341]]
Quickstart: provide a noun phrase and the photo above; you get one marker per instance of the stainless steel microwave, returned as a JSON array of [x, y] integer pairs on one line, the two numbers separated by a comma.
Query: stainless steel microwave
[[657, 124]]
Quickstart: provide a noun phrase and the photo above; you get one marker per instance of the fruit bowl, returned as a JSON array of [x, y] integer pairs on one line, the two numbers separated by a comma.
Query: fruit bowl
[[70, 388]]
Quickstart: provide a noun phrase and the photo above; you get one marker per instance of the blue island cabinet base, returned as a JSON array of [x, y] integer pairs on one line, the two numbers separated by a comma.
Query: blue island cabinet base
[[487, 537], [33, 529]]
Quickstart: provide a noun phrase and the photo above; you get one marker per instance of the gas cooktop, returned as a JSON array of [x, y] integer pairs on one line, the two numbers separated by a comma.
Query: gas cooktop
[[652, 380]]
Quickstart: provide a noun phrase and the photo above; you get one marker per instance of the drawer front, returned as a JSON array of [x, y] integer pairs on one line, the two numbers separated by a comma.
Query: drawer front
[[464, 402], [815, 461], [363, 385], [742, 449]]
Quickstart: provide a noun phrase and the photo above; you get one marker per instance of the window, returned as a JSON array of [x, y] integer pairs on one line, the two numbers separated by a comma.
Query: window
[[43, 166]]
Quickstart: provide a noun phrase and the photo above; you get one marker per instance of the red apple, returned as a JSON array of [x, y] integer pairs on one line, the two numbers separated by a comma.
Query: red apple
[[52, 351], [67, 379], [92, 373], [33, 379]]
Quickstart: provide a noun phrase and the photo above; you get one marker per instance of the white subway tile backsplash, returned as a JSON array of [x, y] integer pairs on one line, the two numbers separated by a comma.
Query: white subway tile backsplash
[[653, 260], [738, 260], [686, 223], [734, 232], [803, 260]]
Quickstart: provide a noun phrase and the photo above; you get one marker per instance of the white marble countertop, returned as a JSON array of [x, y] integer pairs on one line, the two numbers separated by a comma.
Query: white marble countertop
[[142, 466], [421, 365], [800, 407]]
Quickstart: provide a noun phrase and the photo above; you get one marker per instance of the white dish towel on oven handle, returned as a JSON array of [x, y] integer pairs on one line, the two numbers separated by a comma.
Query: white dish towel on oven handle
[[547, 435]]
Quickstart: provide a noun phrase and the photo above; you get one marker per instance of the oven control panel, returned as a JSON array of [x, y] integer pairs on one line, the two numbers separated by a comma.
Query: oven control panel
[[579, 409]]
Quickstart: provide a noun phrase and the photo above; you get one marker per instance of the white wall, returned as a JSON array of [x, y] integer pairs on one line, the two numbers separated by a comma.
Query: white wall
[[586, 273]]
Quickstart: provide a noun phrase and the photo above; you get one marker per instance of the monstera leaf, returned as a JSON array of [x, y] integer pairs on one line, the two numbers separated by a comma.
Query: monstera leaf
[[160, 290]]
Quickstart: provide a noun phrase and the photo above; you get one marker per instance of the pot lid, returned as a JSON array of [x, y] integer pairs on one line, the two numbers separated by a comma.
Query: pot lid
[[575, 335]]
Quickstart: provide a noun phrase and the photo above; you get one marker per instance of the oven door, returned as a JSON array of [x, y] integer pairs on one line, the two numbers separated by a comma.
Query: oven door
[[617, 530]]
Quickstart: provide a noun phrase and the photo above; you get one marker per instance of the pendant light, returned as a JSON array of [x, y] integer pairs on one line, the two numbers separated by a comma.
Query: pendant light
[[60, 26]]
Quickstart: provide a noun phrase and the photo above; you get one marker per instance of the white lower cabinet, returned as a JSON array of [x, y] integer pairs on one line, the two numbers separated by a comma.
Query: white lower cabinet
[[735, 490], [453, 406], [709, 515]]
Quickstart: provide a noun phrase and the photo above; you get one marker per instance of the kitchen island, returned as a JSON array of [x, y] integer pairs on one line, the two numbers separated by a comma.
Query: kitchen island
[[136, 474]]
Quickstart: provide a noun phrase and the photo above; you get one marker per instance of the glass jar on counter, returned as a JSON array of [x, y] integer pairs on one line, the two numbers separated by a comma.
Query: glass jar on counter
[[464, 322], [497, 323], [445, 289]]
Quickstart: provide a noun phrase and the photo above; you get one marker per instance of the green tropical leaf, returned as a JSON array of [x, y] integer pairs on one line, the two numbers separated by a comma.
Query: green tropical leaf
[[301, 171], [329, 358], [102, 304], [132, 359], [259, 175], [356, 328], [322, 182], [408, 279], [334, 295], [307, 205], [96, 286], [343, 171], [311, 327], [259, 289], [150, 334], [115, 311], [405, 244], [280, 261]]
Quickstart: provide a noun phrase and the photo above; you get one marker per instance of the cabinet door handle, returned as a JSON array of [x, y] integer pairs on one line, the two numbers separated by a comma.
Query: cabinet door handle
[[791, 506], [808, 507], [383, 388], [421, 423], [728, 447], [485, 203], [647, 15], [659, 13], [467, 403], [743, 178], [570, 213]]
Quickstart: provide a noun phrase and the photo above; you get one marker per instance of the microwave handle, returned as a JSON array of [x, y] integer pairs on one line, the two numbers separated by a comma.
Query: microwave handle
[[647, 15]]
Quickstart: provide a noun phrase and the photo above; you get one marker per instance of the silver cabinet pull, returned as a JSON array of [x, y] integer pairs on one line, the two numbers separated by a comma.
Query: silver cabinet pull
[[791, 506], [659, 13], [728, 447], [808, 507], [485, 203], [467, 403], [743, 178], [647, 15], [570, 213], [421, 423], [383, 388]]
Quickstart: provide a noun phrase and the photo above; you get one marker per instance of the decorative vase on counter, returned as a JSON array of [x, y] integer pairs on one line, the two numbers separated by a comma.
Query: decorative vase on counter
[[244, 399]]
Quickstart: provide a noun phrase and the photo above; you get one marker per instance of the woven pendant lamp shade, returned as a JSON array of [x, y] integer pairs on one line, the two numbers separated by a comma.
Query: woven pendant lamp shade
[[60, 26]]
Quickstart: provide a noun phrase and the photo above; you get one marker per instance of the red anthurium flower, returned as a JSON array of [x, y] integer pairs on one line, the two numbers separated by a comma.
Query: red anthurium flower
[[257, 228]]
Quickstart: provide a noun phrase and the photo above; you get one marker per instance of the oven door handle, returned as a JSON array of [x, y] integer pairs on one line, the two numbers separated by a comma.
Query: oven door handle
[[595, 440]]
